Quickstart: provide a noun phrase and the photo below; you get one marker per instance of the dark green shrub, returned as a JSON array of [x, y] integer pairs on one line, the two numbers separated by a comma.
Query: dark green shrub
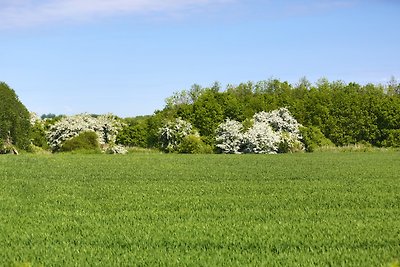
[[392, 138], [314, 138], [192, 144], [38, 136], [85, 141], [133, 135], [2, 147], [14, 118]]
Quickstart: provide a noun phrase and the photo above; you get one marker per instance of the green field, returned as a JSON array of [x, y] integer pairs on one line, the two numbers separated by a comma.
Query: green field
[[322, 209]]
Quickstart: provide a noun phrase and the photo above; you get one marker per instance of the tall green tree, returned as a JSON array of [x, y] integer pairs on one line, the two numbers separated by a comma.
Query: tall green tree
[[208, 114], [14, 118]]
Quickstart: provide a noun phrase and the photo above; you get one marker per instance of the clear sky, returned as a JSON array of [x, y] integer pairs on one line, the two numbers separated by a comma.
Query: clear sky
[[127, 56]]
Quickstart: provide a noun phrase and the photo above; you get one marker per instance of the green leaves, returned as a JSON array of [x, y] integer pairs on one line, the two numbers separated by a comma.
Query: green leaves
[[14, 119], [345, 113], [83, 141]]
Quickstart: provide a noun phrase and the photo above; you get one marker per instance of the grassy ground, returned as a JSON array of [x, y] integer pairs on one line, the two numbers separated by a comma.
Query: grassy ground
[[323, 209]]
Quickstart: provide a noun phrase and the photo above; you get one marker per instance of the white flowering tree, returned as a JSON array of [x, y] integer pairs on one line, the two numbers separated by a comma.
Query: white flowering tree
[[173, 133], [261, 139], [105, 126], [280, 120], [285, 125], [272, 132], [230, 136]]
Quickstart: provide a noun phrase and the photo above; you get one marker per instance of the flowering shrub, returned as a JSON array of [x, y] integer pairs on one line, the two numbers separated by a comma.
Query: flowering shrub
[[280, 120], [229, 136], [272, 132], [261, 139], [173, 133], [285, 126], [105, 126]]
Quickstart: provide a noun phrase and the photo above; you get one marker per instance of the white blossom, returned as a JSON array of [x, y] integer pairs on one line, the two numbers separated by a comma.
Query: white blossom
[[172, 134], [261, 139], [280, 120], [229, 136], [272, 132], [105, 126]]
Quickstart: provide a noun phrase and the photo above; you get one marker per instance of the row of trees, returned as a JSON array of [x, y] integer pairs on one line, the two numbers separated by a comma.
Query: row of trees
[[325, 112], [342, 113]]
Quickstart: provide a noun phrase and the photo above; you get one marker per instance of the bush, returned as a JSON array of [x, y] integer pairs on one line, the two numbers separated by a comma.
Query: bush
[[288, 144], [192, 144], [133, 134], [83, 141], [105, 126], [313, 138], [268, 133], [229, 137], [38, 135], [261, 139], [392, 138], [173, 133]]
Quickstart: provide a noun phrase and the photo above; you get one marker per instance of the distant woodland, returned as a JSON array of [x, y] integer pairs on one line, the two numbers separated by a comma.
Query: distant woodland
[[342, 113]]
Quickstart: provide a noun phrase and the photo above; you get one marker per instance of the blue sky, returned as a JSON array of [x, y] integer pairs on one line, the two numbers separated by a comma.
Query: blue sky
[[127, 56]]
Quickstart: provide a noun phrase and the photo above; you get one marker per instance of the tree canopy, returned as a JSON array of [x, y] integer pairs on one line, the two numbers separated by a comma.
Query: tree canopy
[[14, 119], [344, 113], [329, 113]]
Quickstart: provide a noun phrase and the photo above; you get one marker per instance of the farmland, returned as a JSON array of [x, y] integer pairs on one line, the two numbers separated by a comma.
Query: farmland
[[323, 209]]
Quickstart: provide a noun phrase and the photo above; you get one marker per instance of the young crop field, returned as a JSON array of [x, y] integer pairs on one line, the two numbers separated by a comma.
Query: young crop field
[[322, 209]]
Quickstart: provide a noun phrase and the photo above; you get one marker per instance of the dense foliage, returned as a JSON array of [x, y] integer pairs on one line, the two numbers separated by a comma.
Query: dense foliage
[[312, 138], [330, 112], [134, 132], [83, 141], [321, 209], [14, 120]]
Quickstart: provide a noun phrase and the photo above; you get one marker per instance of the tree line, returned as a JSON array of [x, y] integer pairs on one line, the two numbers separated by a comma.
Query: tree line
[[344, 113], [335, 112]]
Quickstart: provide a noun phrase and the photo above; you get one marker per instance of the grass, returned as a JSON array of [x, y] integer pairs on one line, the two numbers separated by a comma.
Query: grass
[[355, 148], [322, 209]]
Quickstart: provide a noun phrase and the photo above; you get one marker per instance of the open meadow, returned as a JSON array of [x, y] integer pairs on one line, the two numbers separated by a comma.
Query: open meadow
[[322, 209]]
